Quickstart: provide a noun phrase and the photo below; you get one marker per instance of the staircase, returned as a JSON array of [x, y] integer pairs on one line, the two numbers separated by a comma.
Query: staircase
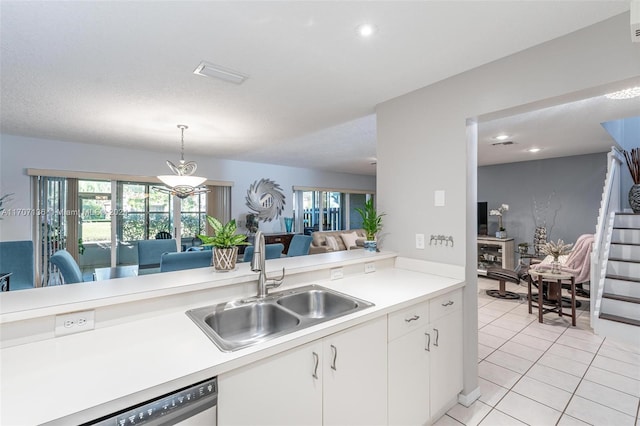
[[621, 293], [615, 264]]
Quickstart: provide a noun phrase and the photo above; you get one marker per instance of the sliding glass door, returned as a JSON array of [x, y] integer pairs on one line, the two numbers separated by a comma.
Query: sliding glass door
[[100, 221]]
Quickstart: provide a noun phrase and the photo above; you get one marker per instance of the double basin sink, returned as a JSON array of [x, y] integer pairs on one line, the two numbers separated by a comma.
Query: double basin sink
[[240, 324]]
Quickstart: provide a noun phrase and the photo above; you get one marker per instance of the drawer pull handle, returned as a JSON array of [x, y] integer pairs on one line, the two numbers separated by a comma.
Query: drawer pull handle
[[437, 336], [413, 318], [449, 303], [335, 356], [428, 342], [316, 358]]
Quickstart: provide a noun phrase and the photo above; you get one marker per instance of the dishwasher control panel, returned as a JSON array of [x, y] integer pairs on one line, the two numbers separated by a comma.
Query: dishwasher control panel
[[167, 409]]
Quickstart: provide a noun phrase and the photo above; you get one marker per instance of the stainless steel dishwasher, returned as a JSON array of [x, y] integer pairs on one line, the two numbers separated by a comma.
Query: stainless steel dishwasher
[[192, 405]]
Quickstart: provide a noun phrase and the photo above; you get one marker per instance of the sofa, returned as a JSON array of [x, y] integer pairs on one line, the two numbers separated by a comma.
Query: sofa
[[16, 257], [319, 243]]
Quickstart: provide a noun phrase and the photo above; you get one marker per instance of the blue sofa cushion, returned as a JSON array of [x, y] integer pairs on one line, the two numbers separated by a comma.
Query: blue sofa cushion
[[17, 257]]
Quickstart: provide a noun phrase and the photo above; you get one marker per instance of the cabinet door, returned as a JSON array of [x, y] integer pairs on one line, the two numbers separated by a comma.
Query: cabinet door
[[355, 375], [280, 390], [446, 362], [409, 379]]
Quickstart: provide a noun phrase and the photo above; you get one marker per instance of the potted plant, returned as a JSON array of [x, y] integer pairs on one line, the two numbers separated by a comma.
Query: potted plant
[[633, 163], [225, 241], [371, 223], [523, 248]]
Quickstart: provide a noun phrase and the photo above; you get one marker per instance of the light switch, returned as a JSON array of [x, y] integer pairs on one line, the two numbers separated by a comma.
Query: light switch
[[420, 241], [439, 198]]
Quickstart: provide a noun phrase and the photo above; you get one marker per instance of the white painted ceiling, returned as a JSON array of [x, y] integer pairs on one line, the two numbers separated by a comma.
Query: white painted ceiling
[[121, 73]]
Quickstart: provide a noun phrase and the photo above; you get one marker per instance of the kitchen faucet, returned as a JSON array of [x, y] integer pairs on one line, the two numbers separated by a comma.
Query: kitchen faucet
[[258, 263]]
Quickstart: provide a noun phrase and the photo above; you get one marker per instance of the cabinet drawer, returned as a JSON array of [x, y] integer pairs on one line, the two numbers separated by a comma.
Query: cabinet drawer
[[445, 304], [406, 320]]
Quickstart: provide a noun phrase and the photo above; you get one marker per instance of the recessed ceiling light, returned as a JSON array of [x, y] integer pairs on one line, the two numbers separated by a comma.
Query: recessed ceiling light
[[366, 30], [501, 137], [630, 93], [207, 69], [534, 149]]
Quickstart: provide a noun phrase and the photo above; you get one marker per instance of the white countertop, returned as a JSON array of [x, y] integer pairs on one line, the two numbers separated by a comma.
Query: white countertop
[[106, 369]]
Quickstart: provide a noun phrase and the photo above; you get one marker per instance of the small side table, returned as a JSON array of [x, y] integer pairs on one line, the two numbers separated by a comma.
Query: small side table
[[555, 288], [4, 280]]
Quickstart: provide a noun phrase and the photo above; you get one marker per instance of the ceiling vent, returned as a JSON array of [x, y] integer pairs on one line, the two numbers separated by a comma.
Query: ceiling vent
[[503, 143], [207, 69], [635, 21]]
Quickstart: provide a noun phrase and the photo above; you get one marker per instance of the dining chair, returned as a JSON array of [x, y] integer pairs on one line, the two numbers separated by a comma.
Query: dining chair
[[272, 251], [185, 260], [150, 252], [163, 235], [67, 266], [299, 245]]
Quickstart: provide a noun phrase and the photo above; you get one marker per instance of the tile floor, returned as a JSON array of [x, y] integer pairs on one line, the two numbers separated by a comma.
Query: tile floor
[[547, 374]]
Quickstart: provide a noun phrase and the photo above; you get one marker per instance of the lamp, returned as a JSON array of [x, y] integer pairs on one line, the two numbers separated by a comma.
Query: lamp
[[182, 184]]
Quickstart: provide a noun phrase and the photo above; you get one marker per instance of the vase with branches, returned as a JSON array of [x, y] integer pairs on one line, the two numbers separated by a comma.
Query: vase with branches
[[633, 163], [555, 250]]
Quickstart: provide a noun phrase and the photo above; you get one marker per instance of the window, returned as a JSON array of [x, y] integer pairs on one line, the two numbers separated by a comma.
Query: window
[[323, 210], [144, 211], [99, 218]]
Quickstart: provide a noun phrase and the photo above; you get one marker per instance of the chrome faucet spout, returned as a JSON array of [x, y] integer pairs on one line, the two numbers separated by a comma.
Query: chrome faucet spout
[[258, 264]]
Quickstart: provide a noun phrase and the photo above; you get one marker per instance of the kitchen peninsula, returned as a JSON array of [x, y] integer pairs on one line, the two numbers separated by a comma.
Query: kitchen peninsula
[[143, 345]]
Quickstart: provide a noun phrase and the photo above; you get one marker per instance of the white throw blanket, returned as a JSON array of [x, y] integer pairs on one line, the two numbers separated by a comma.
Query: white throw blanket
[[576, 263]]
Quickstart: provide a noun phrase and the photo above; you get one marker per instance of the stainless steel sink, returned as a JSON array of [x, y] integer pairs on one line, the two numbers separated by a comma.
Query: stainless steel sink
[[318, 303], [240, 324]]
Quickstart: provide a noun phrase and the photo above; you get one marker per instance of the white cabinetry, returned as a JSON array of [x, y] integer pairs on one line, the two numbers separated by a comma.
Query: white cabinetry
[[446, 349], [339, 380], [409, 366], [355, 375], [280, 390], [425, 360]]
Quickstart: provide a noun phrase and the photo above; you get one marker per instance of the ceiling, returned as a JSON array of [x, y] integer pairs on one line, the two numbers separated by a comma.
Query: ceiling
[[572, 128], [121, 73]]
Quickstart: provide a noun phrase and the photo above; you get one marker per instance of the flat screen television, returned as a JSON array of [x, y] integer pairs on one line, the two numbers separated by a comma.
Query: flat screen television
[[483, 218]]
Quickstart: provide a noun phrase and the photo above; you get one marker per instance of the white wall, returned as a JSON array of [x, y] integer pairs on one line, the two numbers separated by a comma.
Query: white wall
[[19, 153], [422, 142]]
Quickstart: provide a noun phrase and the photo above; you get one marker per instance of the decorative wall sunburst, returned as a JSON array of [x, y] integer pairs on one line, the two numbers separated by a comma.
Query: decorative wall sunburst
[[265, 197]]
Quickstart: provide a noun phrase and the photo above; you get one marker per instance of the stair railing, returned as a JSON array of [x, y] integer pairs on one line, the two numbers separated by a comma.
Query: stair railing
[[609, 205]]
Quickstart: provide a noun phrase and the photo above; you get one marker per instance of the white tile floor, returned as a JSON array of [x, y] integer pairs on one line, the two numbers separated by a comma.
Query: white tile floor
[[550, 373]]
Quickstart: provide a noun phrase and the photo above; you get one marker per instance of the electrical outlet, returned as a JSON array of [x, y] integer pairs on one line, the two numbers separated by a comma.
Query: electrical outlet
[[369, 267], [75, 322], [337, 273], [420, 241]]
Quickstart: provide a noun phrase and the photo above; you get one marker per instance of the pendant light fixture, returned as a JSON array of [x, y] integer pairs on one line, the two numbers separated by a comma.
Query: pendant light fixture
[[182, 183]]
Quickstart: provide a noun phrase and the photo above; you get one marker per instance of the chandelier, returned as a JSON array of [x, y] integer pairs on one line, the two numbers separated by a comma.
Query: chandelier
[[182, 183]]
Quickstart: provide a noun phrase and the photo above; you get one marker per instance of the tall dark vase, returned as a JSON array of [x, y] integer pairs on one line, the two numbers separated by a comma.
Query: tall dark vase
[[634, 198]]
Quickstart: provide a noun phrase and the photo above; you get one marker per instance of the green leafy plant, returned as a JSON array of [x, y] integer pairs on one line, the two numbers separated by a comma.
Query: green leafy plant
[[224, 236], [371, 220], [4, 200]]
